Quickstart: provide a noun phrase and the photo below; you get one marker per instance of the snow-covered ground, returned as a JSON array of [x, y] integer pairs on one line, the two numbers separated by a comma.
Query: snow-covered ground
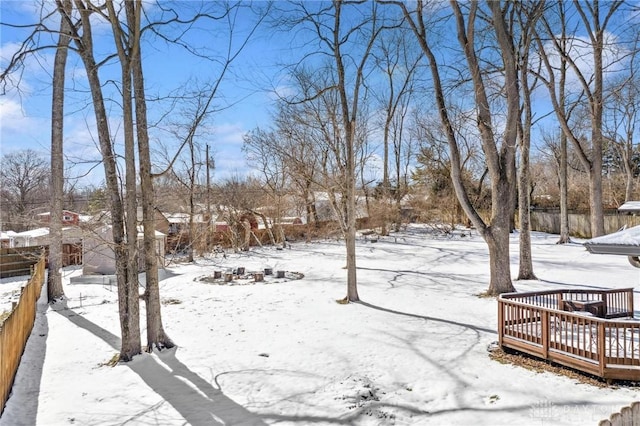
[[414, 352], [10, 289]]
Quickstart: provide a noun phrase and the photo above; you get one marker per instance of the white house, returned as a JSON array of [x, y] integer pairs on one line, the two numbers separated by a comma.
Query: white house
[[99, 257], [7, 239], [32, 237]]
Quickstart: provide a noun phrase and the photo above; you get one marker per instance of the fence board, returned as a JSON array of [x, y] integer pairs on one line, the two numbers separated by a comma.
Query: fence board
[[18, 261], [579, 223], [15, 330]]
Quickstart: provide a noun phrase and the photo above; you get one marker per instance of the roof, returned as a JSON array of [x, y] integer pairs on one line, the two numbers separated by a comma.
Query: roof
[[38, 232], [624, 242], [64, 211], [630, 206], [141, 232], [184, 218]]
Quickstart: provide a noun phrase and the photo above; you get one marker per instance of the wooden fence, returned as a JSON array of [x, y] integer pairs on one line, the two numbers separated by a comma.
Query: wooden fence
[[590, 330], [628, 416], [579, 223], [15, 330], [18, 261]]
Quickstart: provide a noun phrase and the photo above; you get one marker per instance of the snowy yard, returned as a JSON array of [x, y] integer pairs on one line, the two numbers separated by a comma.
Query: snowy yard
[[10, 292], [284, 352]]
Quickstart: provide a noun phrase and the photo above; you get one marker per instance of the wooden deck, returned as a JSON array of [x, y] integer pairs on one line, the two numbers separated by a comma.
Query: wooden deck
[[590, 330]]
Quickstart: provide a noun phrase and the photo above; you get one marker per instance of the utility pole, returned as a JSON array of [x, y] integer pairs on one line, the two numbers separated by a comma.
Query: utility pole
[[208, 236]]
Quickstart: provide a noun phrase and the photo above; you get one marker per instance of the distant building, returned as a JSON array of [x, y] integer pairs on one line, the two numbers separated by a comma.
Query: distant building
[[32, 237], [632, 207], [69, 218], [99, 257], [7, 239]]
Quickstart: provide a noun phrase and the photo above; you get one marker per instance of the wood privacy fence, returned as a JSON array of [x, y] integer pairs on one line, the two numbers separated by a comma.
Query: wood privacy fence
[[579, 223], [18, 261], [15, 330], [628, 416]]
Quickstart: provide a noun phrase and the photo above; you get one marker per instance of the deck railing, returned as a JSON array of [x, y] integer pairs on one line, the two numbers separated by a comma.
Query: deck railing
[[590, 330]]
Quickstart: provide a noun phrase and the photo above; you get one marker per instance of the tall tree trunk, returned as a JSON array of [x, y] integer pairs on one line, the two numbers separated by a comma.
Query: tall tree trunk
[[348, 118], [156, 336], [130, 192], [525, 271], [564, 192], [500, 157], [564, 154], [55, 290], [127, 291]]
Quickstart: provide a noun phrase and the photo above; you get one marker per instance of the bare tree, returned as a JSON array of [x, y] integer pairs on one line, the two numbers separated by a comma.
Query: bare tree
[[398, 62], [346, 36], [622, 115], [24, 176], [526, 18], [591, 81], [261, 149], [133, 89], [434, 164], [54, 285], [128, 297], [499, 149], [288, 158]]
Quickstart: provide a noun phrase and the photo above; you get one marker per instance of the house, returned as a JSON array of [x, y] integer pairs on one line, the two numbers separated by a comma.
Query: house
[[99, 257], [179, 236], [32, 237], [631, 207], [71, 242], [69, 218], [7, 239]]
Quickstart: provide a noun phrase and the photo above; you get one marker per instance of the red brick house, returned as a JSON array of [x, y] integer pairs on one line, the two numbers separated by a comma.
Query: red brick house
[[68, 218]]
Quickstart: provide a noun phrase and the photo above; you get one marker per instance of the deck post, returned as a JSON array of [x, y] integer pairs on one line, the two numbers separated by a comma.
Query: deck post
[[601, 347], [500, 320], [604, 297], [630, 300], [544, 317]]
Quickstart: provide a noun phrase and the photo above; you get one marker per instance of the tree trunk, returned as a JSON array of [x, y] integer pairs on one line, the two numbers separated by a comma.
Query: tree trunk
[[129, 313], [497, 239], [130, 193], [156, 336], [525, 271], [55, 290], [564, 192]]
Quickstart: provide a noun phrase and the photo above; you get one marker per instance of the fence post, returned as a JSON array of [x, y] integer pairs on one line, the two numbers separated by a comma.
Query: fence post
[[500, 320]]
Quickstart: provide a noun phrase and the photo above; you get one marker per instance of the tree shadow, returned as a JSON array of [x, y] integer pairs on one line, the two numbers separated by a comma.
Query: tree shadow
[[427, 318], [199, 403]]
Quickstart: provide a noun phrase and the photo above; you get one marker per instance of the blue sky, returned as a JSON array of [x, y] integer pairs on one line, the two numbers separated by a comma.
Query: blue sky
[[242, 103]]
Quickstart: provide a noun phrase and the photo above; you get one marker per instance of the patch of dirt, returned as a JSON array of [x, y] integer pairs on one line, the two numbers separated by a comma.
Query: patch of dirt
[[539, 366]]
